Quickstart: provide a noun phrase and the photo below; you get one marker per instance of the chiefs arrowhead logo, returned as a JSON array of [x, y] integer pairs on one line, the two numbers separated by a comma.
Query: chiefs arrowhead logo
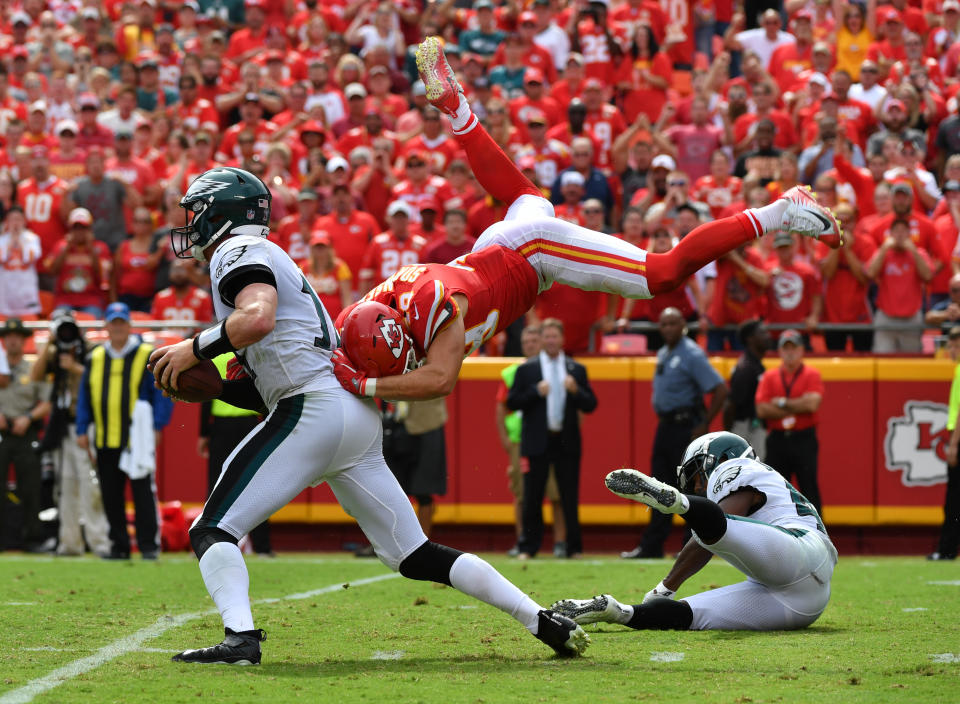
[[916, 443], [393, 336]]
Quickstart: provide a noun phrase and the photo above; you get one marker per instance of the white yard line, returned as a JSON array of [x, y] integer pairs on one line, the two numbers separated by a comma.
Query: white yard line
[[135, 641]]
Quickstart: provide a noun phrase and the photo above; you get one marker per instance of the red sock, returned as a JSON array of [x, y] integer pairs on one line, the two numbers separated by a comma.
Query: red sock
[[495, 171], [668, 271]]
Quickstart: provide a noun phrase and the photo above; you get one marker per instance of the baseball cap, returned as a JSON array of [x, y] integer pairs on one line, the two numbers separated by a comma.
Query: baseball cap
[[483, 5], [320, 237], [20, 52], [117, 311], [38, 106], [950, 5], [663, 161], [89, 100], [123, 133], [20, 17], [526, 162], [312, 126], [536, 117], [895, 104], [90, 13], [951, 186], [902, 187], [527, 16], [889, 14], [429, 203], [418, 154], [15, 326], [203, 137], [790, 337], [307, 194], [575, 58], [782, 239], [80, 216], [828, 94], [355, 90], [471, 56], [378, 70], [819, 79], [803, 15], [66, 126], [399, 207], [593, 84], [419, 88], [274, 55], [148, 60], [337, 162], [571, 178], [533, 75]]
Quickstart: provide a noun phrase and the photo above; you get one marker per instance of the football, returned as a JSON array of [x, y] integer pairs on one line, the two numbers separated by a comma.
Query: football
[[199, 383]]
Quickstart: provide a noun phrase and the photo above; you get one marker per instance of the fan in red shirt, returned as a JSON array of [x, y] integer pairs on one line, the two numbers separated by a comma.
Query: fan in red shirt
[[791, 382], [327, 273], [393, 249], [900, 268], [846, 284], [794, 293], [246, 43], [251, 119], [182, 301], [439, 147], [293, 232], [365, 136], [718, 189], [738, 294], [765, 98], [884, 52], [577, 310], [632, 13], [789, 60], [380, 99], [350, 230], [78, 262], [551, 156], [193, 112], [921, 228], [420, 186], [572, 191], [603, 120], [571, 85], [455, 243], [534, 56], [643, 77], [42, 196], [534, 102]]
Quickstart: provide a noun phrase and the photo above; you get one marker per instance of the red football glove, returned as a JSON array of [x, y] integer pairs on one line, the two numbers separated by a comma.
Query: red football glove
[[353, 380], [235, 370]]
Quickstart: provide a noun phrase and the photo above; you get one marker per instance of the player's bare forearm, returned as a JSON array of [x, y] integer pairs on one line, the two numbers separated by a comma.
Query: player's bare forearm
[[690, 560], [437, 377], [255, 315]]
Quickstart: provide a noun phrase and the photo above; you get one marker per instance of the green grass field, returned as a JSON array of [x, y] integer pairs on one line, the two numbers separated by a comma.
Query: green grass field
[[346, 630]]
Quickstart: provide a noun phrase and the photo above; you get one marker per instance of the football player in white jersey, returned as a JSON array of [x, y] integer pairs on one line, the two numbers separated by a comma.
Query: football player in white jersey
[[314, 430], [748, 514]]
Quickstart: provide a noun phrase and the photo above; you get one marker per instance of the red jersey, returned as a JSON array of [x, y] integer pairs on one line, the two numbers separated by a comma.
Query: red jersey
[[350, 236], [778, 382], [736, 298], [386, 254], [498, 283], [134, 172], [231, 150], [787, 62], [327, 286], [245, 40], [441, 152], [845, 298], [922, 231], [293, 235], [648, 12], [785, 137], [41, 207], [434, 188], [899, 286], [194, 304], [605, 124], [78, 283], [791, 292], [134, 276], [199, 116], [642, 96], [717, 195], [552, 157]]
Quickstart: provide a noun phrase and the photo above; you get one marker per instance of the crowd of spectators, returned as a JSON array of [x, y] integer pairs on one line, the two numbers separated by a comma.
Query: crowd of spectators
[[637, 118]]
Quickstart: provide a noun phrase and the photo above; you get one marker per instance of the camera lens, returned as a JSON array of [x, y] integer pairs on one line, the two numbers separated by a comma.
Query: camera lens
[[67, 332]]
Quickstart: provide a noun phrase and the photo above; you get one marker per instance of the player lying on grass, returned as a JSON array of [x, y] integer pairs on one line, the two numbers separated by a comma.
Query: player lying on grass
[[314, 431], [782, 547], [441, 313]]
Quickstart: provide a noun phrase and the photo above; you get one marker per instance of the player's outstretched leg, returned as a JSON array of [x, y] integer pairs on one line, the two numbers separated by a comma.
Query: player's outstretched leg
[[495, 171], [658, 613], [704, 517]]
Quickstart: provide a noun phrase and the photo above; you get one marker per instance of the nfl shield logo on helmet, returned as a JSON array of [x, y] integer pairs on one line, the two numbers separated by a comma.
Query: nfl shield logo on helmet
[[393, 336], [251, 213]]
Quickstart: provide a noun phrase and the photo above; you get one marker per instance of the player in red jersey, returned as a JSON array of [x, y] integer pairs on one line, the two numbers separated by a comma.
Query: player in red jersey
[[444, 312]]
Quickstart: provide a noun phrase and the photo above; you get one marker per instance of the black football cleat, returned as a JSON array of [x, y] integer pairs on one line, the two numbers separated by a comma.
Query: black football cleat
[[562, 634], [241, 648]]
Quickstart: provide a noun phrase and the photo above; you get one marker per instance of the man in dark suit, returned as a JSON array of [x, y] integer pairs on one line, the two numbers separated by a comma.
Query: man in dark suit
[[551, 390]]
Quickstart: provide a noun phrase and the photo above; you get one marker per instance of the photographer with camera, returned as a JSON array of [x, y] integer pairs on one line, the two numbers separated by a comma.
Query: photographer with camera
[[80, 505], [23, 407]]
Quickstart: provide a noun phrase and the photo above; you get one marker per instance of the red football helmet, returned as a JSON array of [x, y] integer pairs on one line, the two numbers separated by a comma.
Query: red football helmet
[[376, 340]]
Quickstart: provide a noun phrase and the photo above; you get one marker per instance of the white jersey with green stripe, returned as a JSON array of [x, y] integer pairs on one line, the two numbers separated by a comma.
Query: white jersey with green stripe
[[295, 357], [784, 507]]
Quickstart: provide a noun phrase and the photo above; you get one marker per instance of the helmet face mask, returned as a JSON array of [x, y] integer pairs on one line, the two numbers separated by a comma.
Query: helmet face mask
[[220, 201], [705, 454]]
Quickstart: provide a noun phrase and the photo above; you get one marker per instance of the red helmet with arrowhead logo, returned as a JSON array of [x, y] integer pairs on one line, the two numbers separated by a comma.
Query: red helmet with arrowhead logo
[[376, 340]]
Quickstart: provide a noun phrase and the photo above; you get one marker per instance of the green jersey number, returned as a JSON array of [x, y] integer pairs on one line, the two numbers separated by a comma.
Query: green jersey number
[[804, 507]]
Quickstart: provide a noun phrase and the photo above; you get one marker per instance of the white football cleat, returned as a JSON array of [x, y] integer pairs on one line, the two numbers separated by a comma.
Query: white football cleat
[[805, 216], [634, 485], [602, 608]]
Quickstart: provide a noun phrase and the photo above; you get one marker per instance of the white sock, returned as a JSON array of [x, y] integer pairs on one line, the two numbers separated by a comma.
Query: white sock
[[769, 216], [624, 614], [685, 502], [225, 574], [464, 120], [479, 579]]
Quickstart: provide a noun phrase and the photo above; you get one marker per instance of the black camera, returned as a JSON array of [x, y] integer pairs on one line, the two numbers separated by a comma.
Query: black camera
[[65, 332]]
